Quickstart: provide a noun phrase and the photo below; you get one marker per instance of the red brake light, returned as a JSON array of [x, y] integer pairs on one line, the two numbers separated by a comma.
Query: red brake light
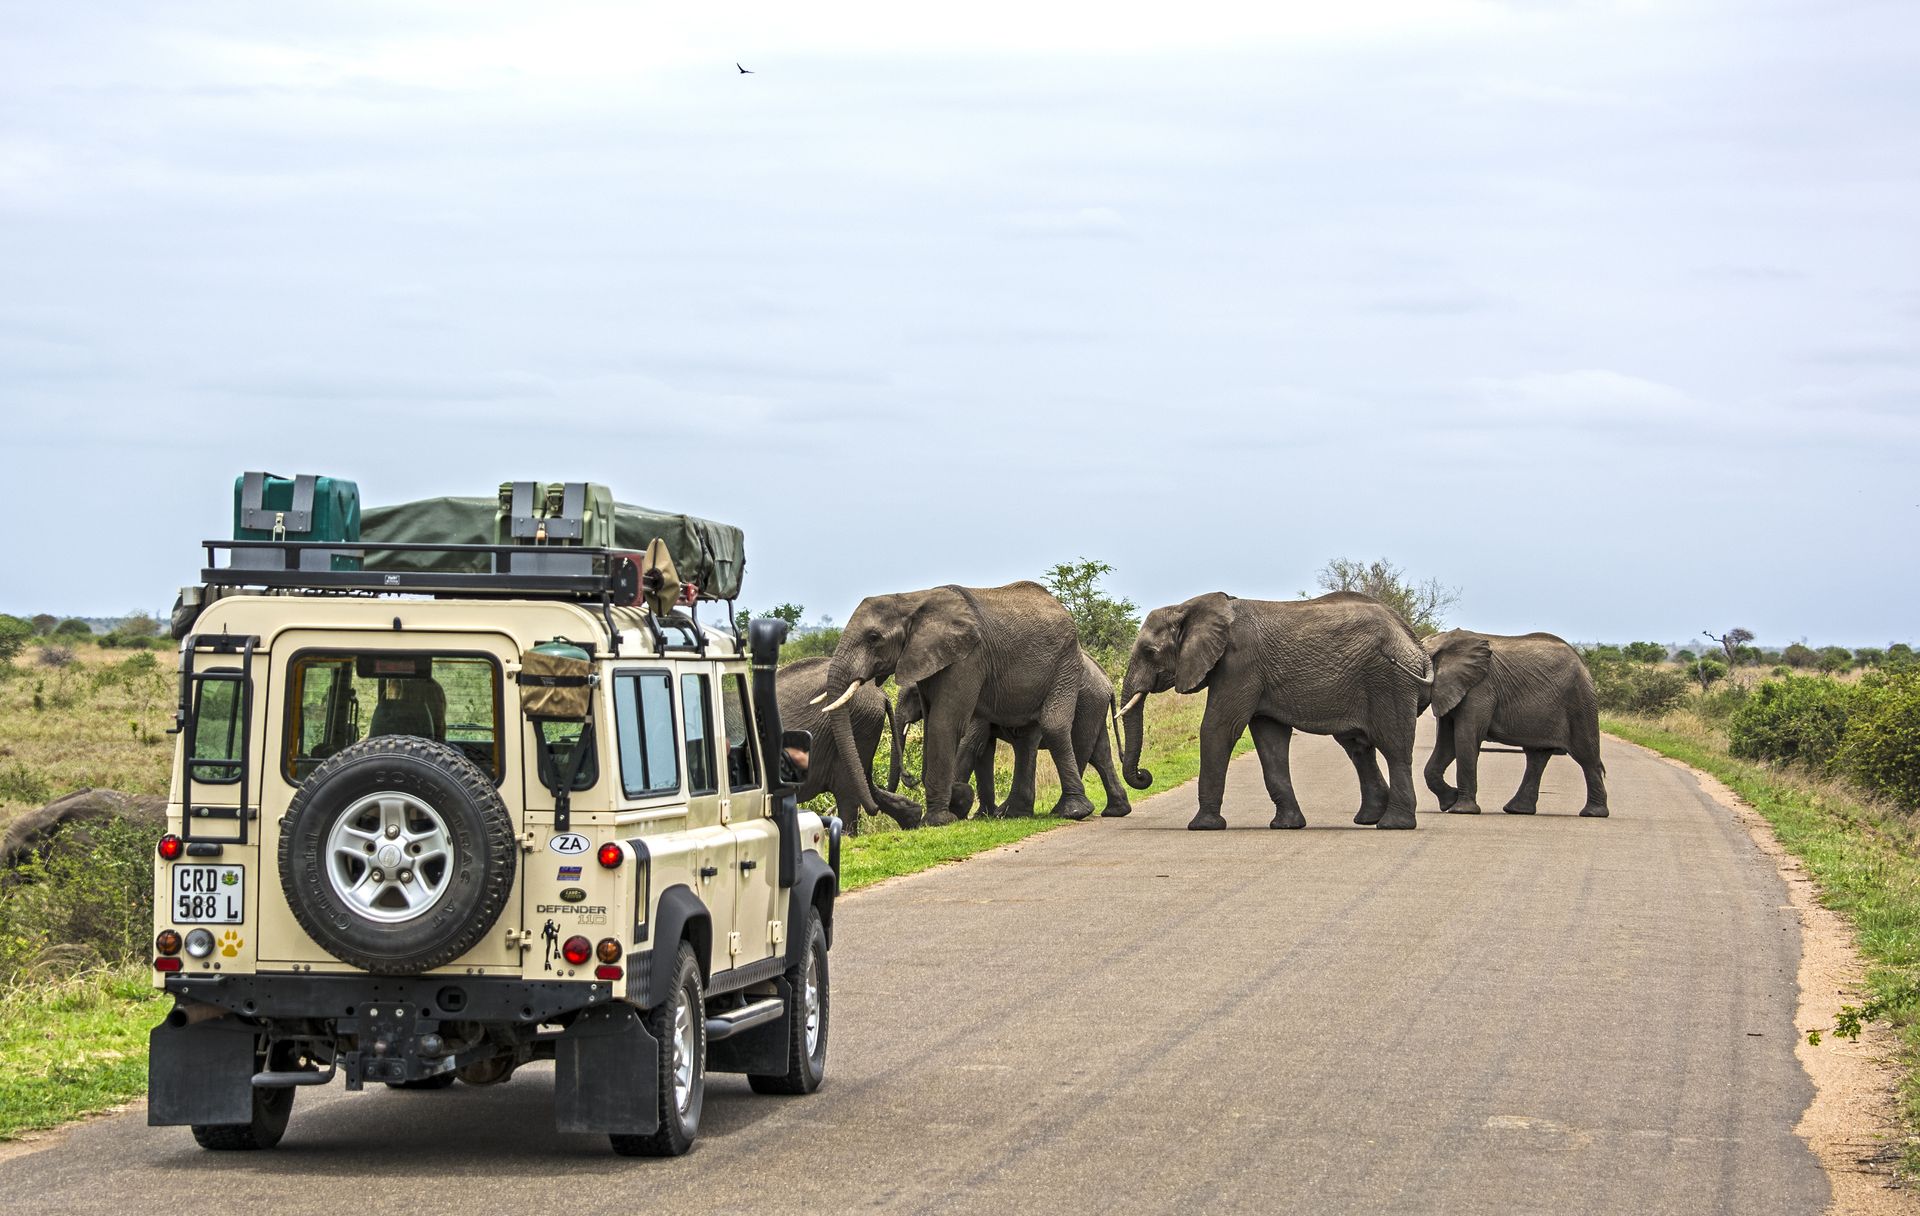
[[171, 847], [611, 856], [606, 972], [167, 963], [577, 950]]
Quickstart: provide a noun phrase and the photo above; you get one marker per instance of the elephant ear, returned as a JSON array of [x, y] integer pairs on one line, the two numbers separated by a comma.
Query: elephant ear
[[1203, 639], [941, 631], [1459, 664]]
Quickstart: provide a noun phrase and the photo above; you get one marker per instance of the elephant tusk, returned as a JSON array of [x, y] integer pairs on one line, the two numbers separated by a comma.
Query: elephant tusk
[[844, 697], [1137, 698], [818, 699]]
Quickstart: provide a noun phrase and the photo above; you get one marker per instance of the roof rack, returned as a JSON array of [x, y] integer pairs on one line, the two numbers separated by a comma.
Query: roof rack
[[527, 571]]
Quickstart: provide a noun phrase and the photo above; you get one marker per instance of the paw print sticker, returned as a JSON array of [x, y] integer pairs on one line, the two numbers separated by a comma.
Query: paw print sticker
[[230, 943]]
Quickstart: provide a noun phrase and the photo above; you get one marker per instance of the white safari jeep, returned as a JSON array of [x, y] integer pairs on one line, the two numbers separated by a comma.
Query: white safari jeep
[[429, 826]]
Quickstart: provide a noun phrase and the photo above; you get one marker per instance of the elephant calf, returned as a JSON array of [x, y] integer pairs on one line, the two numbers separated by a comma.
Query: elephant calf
[[831, 770], [1529, 692]]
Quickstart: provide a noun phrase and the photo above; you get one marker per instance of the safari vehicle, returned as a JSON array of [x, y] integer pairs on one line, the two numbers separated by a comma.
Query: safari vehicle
[[442, 809]]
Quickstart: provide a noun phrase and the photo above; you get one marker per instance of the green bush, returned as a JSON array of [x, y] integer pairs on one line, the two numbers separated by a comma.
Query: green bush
[[14, 634], [819, 643], [1723, 702], [1636, 688], [1645, 652], [1881, 750], [1799, 655], [1797, 720], [89, 899], [73, 628]]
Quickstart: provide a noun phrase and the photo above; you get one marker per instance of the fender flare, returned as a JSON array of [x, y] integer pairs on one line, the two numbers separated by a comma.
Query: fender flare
[[681, 915], [813, 878]]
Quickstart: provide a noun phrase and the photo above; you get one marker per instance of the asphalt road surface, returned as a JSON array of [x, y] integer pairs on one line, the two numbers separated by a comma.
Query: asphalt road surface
[[1491, 1014]]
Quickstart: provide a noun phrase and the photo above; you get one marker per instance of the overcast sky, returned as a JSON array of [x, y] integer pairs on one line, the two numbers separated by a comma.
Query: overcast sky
[[1607, 313]]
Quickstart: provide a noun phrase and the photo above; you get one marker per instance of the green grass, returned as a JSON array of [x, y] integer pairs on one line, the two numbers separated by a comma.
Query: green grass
[[73, 1047], [1169, 749], [1863, 858]]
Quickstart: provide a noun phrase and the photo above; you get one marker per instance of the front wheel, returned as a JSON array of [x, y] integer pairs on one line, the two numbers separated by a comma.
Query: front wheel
[[679, 1025], [807, 1020]]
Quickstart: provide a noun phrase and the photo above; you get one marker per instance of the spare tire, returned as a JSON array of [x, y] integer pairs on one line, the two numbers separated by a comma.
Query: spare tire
[[397, 855]]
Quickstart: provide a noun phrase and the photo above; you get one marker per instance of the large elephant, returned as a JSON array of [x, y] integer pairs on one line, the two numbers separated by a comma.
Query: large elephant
[[1009, 655], [1530, 692], [978, 751], [1340, 665], [846, 773]]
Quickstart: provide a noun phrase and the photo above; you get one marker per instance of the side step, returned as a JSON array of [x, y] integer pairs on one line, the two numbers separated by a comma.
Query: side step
[[733, 1021]]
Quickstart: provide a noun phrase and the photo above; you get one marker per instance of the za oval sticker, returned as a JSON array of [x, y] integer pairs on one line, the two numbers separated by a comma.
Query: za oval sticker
[[568, 844]]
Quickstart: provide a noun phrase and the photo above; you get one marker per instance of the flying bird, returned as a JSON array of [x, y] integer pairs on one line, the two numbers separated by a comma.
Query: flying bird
[[743, 71]]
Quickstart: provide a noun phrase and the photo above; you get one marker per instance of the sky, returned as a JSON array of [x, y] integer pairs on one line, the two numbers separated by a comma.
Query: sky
[[1607, 314]]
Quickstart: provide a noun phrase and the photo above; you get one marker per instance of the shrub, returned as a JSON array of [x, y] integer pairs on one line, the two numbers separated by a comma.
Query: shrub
[[1799, 655], [73, 627], [1707, 671], [14, 633], [1645, 652], [1107, 624], [137, 625], [56, 656], [1684, 656], [1835, 658], [1782, 670], [18, 783], [1899, 656], [90, 896], [1637, 688], [819, 643], [1881, 750], [1723, 702], [1869, 656], [1797, 720], [43, 623]]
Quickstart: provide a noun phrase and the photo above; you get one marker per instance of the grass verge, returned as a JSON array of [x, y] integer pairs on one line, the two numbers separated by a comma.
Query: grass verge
[[74, 1046], [1862, 858]]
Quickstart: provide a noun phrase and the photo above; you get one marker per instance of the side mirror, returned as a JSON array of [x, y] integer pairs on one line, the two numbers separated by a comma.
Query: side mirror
[[796, 752]]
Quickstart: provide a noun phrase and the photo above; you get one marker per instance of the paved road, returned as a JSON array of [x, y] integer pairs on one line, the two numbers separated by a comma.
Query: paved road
[[1492, 1014]]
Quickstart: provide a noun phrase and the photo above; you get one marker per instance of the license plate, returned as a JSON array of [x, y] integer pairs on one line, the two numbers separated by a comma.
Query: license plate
[[209, 895]]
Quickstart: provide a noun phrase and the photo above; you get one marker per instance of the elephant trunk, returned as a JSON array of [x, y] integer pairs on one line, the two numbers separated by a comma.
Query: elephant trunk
[[840, 724], [1132, 722]]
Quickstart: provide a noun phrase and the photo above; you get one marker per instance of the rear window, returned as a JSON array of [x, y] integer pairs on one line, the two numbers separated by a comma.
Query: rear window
[[337, 698]]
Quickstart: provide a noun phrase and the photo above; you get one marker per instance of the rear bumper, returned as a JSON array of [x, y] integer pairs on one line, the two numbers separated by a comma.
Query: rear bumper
[[346, 999]]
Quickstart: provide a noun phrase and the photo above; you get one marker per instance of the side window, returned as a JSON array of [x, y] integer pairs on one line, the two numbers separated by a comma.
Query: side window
[[216, 728], [742, 773], [643, 719], [696, 707]]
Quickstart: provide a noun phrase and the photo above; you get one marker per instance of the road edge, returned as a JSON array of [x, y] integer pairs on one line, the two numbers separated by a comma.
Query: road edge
[[1853, 1124]]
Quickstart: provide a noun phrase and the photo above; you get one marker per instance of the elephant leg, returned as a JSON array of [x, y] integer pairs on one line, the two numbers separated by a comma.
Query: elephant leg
[[975, 759], [1117, 803], [1272, 741], [1437, 764], [1026, 762], [1219, 731], [1373, 787], [1395, 742], [1056, 731], [1466, 746], [1587, 756], [940, 747], [1526, 799]]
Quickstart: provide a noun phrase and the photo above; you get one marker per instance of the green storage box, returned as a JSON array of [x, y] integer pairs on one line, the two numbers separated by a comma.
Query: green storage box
[[301, 508]]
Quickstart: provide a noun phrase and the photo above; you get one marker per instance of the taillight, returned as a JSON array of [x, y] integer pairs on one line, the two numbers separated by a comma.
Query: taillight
[[168, 942], [606, 972], [171, 847], [577, 950], [611, 855], [166, 963], [608, 951]]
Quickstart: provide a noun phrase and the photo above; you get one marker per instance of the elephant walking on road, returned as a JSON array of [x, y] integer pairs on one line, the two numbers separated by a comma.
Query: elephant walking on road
[[1531, 692], [1009, 655], [846, 774], [1340, 665], [978, 751]]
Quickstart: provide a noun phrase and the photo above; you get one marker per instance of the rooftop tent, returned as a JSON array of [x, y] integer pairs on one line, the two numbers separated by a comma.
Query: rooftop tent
[[710, 554]]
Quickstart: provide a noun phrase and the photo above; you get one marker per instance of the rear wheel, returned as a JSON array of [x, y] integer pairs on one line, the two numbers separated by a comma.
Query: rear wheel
[[679, 1025], [443, 1080], [807, 1019], [271, 1110]]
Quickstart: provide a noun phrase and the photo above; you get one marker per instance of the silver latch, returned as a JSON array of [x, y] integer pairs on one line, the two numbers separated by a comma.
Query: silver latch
[[519, 939]]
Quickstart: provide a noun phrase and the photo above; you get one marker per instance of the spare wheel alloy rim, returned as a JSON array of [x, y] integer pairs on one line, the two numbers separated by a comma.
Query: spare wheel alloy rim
[[389, 857]]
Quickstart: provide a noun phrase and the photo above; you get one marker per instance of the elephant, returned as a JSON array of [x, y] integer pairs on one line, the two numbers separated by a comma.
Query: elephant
[[1531, 692], [1009, 655], [846, 772], [1340, 665], [977, 750]]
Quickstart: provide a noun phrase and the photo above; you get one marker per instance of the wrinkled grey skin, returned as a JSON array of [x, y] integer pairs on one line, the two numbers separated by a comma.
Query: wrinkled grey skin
[[847, 775], [1340, 665], [978, 753], [1530, 692], [1009, 655]]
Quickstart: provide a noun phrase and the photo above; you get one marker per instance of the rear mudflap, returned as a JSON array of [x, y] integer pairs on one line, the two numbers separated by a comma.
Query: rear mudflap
[[607, 1074]]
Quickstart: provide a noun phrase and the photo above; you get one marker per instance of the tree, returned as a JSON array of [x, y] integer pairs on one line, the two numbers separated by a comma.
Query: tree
[[14, 633], [1106, 625], [73, 627], [1835, 659], [43, 623], [1707, 671], [790, 613], [1645, 652], [1685, 656], [1899, 657], [1422, 605], [1869, 656], [138, 625], [1731, 641], [1799, 654]]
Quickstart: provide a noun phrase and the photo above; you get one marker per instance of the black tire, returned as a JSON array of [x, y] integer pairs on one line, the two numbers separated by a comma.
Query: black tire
[[271, 1110], [477, 873], [806, 1063], [679, 1123], [439, 1080]]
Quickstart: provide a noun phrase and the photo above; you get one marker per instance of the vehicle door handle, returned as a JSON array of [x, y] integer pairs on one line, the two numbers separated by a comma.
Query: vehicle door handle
[[709, 871], [748, 865]]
